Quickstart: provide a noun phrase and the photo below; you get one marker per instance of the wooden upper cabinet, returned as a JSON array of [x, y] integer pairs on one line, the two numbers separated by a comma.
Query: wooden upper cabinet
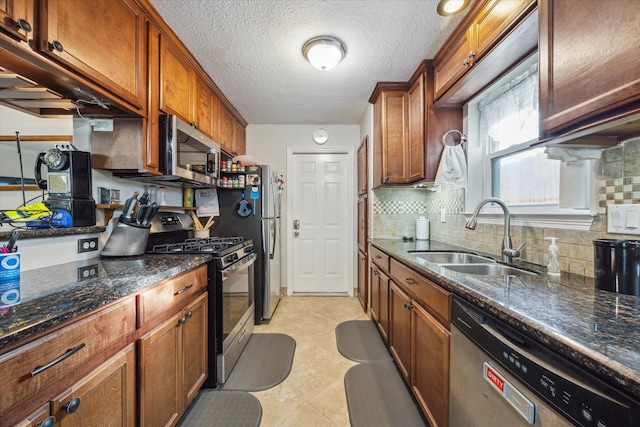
[[363, 154], [391, 136], [175, 81], [588, 63], [103, 40], [17, 18], [241, 138], [203, 107], [495, 33], [226, 133], [416, 130]]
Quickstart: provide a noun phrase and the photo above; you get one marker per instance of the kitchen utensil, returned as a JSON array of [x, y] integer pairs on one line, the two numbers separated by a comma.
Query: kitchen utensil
[[11, 245], [244, 207], [254, 195], [197, 225], [209, 223]]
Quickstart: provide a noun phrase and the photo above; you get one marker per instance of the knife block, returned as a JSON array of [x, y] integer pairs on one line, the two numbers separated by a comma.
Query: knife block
[[126, 240]]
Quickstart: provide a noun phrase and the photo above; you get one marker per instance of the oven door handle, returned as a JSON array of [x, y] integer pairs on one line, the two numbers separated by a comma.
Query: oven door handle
[[239, 266]]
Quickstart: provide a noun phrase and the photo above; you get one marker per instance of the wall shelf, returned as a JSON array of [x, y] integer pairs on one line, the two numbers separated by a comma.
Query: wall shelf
[[110, 209]]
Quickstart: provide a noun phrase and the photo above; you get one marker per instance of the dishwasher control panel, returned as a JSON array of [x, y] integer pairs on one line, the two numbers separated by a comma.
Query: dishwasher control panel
[[568, 389]]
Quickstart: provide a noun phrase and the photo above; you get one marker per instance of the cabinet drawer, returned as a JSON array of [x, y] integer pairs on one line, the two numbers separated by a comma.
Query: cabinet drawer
[[170, 293], [380, 258], [433, 297], [36, 365]]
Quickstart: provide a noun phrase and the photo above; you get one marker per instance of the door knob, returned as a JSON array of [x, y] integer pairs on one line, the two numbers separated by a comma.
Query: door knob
[[296, 233]]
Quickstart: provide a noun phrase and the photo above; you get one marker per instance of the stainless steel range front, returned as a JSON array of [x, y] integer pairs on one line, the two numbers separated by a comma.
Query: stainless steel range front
[[230, 287]]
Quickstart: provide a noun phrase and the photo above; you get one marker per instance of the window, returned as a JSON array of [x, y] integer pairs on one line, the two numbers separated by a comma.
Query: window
[[502, 123]]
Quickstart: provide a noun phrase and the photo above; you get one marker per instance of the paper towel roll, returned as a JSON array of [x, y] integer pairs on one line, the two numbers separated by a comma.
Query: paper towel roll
[[422, 229]]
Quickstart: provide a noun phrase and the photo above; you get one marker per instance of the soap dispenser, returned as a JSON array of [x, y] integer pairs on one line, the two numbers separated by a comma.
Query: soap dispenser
[[553, 267]]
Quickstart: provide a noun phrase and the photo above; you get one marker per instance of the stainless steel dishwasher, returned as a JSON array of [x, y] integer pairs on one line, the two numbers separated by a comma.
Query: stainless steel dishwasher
[[501, 378]]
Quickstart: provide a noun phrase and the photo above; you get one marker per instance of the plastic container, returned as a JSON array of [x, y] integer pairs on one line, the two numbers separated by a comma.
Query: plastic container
[[617, 265], [422, 228], [153, 193], [162, 195], [553, 266]]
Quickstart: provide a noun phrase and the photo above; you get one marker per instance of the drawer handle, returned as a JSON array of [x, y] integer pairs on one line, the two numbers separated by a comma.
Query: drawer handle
[[47, 422], [183, 290], [242, 336], [68, 353], [410, 281], [72, 406], [377, 257]]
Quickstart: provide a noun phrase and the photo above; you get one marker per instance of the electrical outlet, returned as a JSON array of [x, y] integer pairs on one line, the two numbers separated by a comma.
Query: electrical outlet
[[87, 245], [87, 272], [102, 125], [623, 219]]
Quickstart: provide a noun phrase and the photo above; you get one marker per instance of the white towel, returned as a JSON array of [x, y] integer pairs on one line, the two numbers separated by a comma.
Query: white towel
[[452, 171]]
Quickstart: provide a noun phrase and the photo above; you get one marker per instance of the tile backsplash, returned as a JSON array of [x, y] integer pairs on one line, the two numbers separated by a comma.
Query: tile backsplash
[[396, 209]]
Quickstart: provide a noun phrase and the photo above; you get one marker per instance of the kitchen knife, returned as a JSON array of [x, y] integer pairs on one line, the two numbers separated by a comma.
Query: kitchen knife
[[151, 210], [127, 210]]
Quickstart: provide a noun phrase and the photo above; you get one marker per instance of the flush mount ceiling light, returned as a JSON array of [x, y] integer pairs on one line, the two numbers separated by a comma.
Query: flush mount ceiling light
[[451, 7], [324, 52]]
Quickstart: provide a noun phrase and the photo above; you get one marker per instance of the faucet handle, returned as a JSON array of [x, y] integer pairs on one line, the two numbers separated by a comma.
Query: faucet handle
[[514, 253]]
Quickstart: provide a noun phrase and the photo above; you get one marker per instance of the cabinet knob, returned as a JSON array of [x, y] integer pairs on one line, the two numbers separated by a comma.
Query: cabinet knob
[[24, 25], [189, 314], [386, 179], [72, 406], [56, 45], [466, 63], [408, 305], [183, 320], [47, 422], [472, 55]]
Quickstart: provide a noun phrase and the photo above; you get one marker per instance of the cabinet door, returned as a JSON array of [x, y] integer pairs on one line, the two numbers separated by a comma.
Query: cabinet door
[[588, 63], [374, 287], [203, 107], [161, 374], [363, 293], [241, 139], [454, 63], [362, 224], [363, 151], [16, 18], [195, 347], [395, 165], [151, 128], [226, 129], [384, 310], [104, 397], [492, 21], [378, 169], [430, 366], [400, 328], [104, 40], [416, 138], [175, 81]]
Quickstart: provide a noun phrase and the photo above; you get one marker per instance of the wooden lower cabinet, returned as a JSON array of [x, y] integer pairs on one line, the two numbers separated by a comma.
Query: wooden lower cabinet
[[173, 364], [379, 299], [363, 291], [104, 397], [430, 366], [400, 306]]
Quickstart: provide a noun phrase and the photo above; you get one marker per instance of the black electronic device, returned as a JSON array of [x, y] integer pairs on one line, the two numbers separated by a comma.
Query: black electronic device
[[68, 183]]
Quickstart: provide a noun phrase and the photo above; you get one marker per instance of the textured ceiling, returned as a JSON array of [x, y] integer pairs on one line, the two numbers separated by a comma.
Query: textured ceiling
[[253, 51]]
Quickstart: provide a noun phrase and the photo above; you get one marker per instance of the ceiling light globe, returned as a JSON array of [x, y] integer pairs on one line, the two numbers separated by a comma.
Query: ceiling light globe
[[453, 5], [324, 53]]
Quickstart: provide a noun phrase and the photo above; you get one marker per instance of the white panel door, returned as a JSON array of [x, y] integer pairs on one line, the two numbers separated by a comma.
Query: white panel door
[[320, 206]]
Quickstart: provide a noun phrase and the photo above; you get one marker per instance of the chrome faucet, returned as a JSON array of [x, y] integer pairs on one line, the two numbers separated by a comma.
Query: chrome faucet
[[508, 253]]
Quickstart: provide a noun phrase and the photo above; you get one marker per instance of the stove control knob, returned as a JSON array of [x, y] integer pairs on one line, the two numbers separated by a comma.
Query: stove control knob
[[248, 249], [232, 257]]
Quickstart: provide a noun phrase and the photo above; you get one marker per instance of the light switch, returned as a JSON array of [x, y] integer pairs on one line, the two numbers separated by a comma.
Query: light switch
[[632, 219], [616, 219], [623, 219]]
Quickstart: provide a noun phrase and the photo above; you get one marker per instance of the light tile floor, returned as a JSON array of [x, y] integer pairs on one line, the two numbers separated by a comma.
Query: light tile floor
[[313, 393]]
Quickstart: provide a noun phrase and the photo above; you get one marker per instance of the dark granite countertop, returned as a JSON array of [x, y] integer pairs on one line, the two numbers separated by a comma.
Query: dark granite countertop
[[598, 330], [40, 233], [51, 295]]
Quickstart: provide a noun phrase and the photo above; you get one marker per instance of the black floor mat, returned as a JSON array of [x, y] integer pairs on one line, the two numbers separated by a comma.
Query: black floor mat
[[359, 340], [378, 397], [213, 408], [265, 362]]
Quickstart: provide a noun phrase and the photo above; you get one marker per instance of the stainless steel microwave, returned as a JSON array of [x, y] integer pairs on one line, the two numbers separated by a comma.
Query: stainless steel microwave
[[187, 156]]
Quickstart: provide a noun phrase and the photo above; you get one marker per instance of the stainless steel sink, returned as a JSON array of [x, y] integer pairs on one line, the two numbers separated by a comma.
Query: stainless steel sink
[[452, 258], [488, 269]]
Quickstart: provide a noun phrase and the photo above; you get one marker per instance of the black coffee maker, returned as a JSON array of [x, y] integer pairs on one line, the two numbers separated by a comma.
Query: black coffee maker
[[68, 183]]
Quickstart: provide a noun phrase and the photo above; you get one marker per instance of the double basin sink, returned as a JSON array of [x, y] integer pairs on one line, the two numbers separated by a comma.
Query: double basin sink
[[467, 263]]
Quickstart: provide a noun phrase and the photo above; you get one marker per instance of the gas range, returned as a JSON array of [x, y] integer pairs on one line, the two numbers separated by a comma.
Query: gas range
[[225, 250]]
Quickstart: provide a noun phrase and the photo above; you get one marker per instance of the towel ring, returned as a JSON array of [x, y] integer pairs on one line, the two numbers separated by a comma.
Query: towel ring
[[463, 138]]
